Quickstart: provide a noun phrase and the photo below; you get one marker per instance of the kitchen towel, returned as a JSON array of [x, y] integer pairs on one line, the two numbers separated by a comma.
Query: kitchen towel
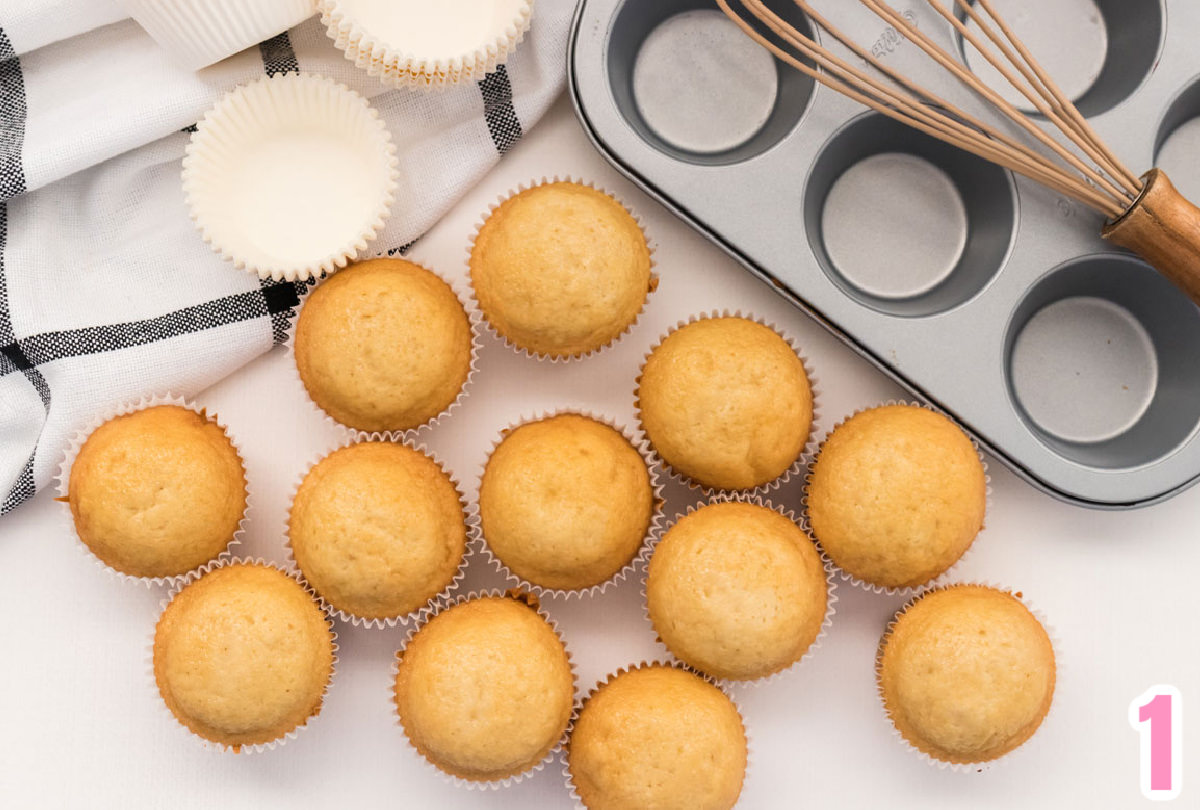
[[106, 290]]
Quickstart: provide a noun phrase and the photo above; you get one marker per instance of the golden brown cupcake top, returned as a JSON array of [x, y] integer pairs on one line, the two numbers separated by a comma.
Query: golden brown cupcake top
[[966, 673], [736, 590], [658, 737], [726, 402], [157, 492], [377, 528], [565, 502], [561, 269], [243, 655], [484, 690], [383, 345], [897, 495]]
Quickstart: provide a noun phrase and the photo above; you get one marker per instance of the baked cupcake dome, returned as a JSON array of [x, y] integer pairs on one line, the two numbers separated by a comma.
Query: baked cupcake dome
[[561, 269], [657, 736], [377, 529], [383, 345], [897, 495], [565, 502], [243, 655], [484, 690], [726, 402], [157, 492], [736, 590], [966, 673]]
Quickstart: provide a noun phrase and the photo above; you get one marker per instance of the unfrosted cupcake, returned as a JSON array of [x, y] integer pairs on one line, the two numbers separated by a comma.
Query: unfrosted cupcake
[[561, 269], [384, 345], [484, 690], [726, 402], [966, 673], [736, 590], [897, 495], [157, 492], [657, 736], [377, 529], [243, 655], [565, 502]]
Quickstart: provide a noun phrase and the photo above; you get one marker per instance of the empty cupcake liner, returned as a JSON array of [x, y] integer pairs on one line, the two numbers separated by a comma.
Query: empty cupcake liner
[[62, 480], [831, 597], [1029, 748], [569, 779], [473, 318], [288, 106], [542, 356], [810, 444], [390, 621], [638, 442], [200, 32], [423, 618], [256, 748], [370, 51], [811, 459]]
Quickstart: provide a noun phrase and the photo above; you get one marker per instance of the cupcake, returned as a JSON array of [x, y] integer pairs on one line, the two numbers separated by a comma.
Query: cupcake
[[157, 492], [565, 502], [484, 690], [657, 736], [243, 655], [897, 495], [966, 673], [736, 590], [384, 345], [561, 269], [377, 529], [726, 402]]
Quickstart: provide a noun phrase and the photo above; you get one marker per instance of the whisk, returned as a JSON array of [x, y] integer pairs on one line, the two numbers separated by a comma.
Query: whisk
[[1145, 213]]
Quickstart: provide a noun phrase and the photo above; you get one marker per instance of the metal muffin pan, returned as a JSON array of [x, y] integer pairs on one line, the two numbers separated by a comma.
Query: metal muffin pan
[[987, 295]]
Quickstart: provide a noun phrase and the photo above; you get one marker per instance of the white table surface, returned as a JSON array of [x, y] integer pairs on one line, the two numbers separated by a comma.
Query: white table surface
[[82, 725]]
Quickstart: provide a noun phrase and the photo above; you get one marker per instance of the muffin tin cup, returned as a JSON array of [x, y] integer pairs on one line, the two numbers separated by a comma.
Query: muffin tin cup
[[1032, 747], [883, 590], [542, 356], [396, 68], [579, 704], [423, 618], [256, 748], [389, 621], [420, 431], [810, 445], [639, 443], [831, 596], [78, 438]]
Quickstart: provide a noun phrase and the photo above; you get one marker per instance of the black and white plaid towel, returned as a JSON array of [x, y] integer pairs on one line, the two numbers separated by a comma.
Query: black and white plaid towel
[[106, 290]]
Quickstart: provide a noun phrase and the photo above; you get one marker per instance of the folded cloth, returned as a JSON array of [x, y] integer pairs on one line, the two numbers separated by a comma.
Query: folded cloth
[[106, 290]]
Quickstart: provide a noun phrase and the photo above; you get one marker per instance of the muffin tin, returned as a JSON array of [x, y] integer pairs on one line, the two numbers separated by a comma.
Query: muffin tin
[[1066, 359]]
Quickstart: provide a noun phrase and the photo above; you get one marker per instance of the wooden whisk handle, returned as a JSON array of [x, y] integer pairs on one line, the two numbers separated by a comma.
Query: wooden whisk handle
[[1163, 228]]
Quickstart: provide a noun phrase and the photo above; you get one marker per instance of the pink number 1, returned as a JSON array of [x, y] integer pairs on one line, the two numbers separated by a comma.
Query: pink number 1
[[1157, 715]]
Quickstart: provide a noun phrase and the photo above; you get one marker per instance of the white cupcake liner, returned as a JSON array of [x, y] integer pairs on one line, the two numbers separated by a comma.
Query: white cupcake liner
[[831, 596], [390, 621], [810, 444], [637, 441], [423, 618], [580, 703], [543, 356], [256, 748], [62, 479], [1027, 749], [370, 52], [473, 319], [257, 112], [806, 524], [198, 33]]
